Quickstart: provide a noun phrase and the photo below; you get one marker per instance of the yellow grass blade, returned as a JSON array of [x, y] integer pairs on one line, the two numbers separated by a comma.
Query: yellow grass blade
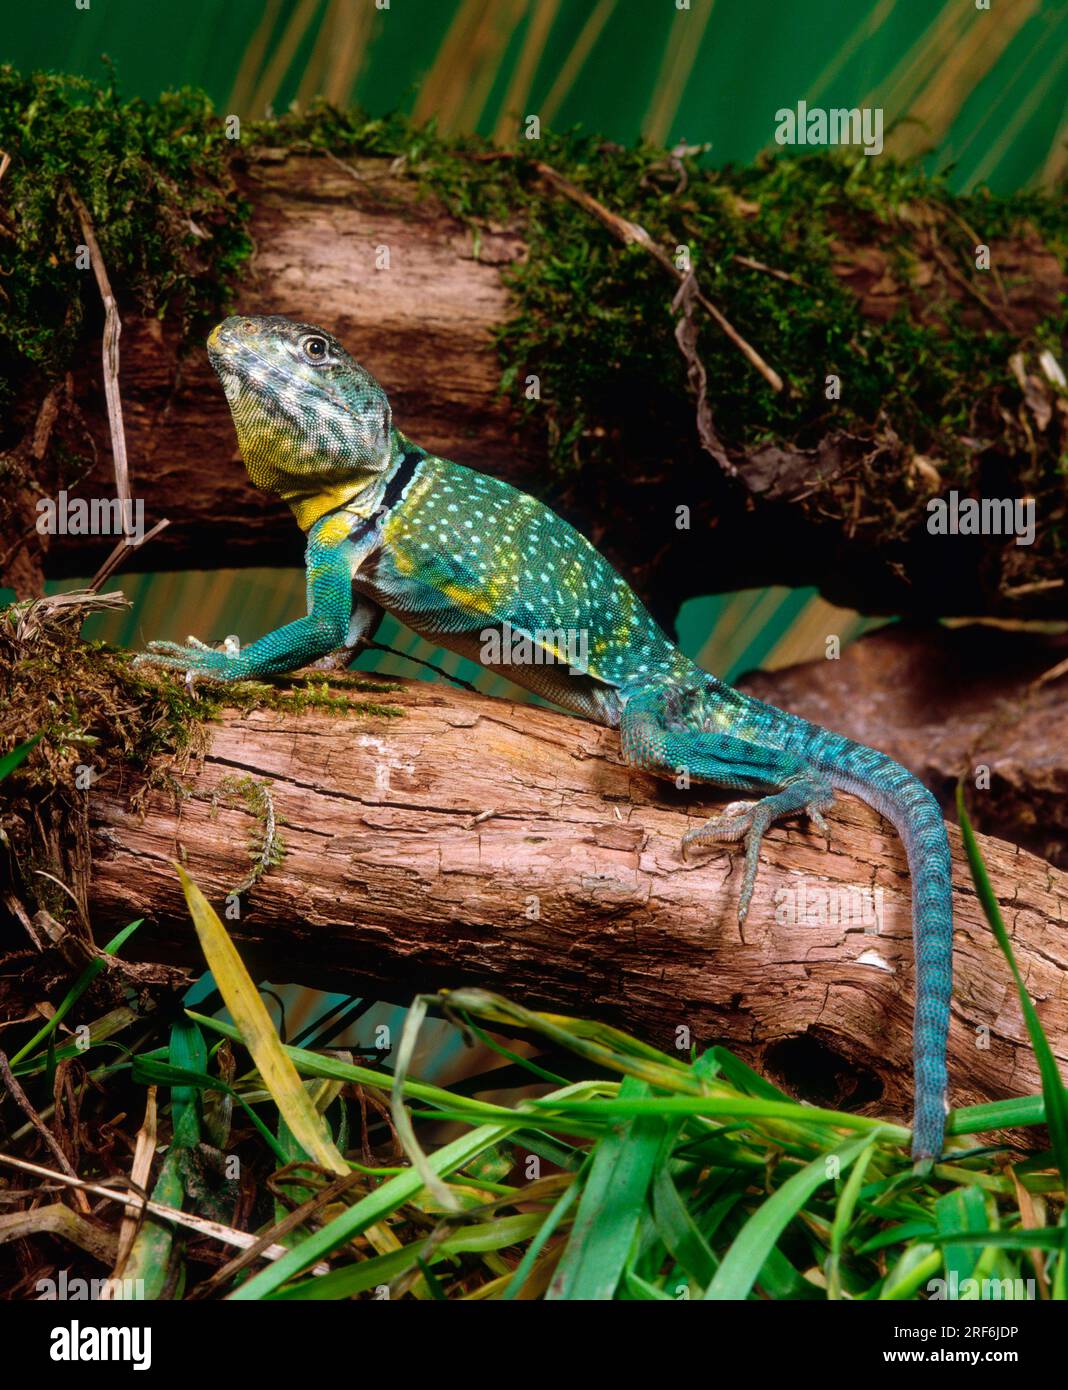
[[250, 1015]]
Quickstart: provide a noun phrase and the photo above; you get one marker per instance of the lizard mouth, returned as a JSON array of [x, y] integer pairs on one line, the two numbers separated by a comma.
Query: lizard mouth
[[231, 382], [241, 366], [240, 369]]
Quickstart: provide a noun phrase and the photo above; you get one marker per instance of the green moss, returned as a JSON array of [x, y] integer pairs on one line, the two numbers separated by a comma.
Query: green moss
[[101, 717], [311, 693], [87, 696], [592, 319], [155, 178], [156, 181], [266, 847]]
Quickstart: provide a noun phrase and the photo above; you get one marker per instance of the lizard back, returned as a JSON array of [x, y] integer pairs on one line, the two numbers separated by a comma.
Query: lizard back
[[471, 564]]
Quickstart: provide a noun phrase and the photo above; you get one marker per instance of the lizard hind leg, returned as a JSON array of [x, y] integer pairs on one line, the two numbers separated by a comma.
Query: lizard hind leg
[[748, 821], [682, 730]]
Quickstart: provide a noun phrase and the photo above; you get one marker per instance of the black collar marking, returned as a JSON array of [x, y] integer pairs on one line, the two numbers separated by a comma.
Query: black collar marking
[[396, 485]]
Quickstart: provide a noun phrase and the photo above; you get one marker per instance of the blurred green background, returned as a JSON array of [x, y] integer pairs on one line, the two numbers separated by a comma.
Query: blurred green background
[[982, 92], [984, 89]]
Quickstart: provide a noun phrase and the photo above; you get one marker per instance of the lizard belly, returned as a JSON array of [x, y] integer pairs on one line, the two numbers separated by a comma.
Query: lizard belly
[[479, 638]]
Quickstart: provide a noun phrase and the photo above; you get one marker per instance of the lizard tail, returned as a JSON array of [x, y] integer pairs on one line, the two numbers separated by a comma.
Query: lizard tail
[[917, 817]]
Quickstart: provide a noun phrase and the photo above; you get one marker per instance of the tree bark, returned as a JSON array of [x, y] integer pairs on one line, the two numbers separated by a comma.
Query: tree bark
[[473, 841], [422, 325]]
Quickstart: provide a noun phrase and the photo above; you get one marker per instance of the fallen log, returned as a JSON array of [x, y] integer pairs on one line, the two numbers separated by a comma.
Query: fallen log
[[418, 297], [474, 841]]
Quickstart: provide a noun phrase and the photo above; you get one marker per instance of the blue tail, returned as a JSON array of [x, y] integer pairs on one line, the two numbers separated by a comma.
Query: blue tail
[[755, 747], [917, 817]]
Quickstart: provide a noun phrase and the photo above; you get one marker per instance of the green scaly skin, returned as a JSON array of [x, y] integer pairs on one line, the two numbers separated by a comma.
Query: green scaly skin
[[461, 557]]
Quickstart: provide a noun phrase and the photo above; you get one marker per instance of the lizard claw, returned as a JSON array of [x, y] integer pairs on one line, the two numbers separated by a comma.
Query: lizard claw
[[192, 658], [749, 820], [732, 824]]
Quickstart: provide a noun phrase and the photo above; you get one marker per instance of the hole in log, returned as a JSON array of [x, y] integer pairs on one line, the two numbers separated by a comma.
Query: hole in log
[[812, 1071]]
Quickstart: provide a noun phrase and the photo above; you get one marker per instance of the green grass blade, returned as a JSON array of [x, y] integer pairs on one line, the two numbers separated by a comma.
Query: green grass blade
[[1053, 1091], [612, 1201], [727, 1107], [366, 1212], [565, 1202], [84, 980], [146, 1071], [10, 761], [679, 1231], [641, 1290], [1059, 1287], [1036, 1238], [742, 1076], [334, 1069], [402, 1120], [751, 1247], [151, 1254], [955, 1214], [843, 1218], [258, 1032], [916, 1268], [1016, 1113], [381, 1269]]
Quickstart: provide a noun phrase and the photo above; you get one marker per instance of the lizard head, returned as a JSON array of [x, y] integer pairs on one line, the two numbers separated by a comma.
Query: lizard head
[[312, 425]]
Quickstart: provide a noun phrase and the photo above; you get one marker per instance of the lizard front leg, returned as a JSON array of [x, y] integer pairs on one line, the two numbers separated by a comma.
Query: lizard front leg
[[328, 625], [366, 615]]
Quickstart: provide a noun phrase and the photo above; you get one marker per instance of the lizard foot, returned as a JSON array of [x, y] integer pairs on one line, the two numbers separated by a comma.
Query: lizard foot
[[749, 820], [731, 824], [194, 658]]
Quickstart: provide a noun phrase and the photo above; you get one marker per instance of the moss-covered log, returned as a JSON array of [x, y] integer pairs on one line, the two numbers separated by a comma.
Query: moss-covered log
[[476, 842], [919, 335]]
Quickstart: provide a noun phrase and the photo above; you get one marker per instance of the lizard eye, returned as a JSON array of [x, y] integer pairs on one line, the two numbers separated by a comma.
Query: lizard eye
[[314, 347]]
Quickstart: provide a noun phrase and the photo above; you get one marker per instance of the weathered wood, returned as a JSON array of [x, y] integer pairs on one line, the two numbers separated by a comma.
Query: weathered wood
[[573, 895], [423, 325]]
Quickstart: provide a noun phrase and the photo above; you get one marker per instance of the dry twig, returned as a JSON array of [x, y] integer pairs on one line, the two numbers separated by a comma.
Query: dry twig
[[22, 1100], [112, 330], [214, 1230], [633, 234]]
